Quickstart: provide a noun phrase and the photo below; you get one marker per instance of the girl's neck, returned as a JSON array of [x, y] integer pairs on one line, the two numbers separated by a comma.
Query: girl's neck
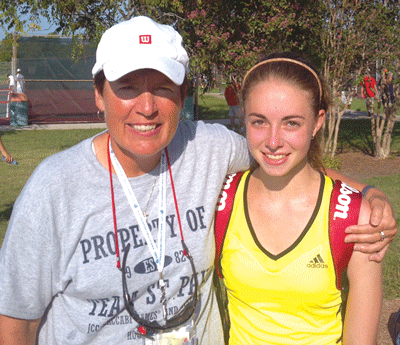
[[298, 181], [280, 208]]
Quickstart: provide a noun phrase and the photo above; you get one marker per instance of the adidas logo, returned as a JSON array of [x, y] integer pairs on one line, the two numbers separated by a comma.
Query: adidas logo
[[317, 262]]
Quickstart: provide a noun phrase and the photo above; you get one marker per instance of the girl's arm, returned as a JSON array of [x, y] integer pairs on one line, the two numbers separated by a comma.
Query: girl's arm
[[365, 295], [367, 238]]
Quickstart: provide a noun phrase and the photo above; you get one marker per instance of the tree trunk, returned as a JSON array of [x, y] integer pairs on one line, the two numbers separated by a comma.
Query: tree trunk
[[335, 116], [337, 126], [382, 129], [387, 140], [331, 127]]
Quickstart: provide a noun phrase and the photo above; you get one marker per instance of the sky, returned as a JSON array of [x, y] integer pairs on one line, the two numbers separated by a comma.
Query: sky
[[45, 25]]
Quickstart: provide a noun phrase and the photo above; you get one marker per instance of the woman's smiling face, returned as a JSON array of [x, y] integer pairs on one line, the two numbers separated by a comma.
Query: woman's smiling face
[[141, 111]]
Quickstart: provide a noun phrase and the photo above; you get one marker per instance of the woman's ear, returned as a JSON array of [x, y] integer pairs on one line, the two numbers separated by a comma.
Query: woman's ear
[[99, 100], [319, 122]]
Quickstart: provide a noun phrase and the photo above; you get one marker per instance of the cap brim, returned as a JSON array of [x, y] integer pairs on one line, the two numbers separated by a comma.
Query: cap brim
[[174, 70]]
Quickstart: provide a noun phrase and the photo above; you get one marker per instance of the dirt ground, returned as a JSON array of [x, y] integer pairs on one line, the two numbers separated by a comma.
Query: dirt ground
[[361, 166]]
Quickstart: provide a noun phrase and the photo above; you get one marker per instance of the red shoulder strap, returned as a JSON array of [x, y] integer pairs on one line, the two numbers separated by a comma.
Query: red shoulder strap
[[343, 211], [223, 214]]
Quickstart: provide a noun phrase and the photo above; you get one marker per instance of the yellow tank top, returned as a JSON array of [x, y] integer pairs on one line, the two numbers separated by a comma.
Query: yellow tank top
[[290, 298]]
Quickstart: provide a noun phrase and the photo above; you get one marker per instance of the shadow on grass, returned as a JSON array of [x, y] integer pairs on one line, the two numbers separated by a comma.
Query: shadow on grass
[[4, 133], [6, 213], [355, 135], [218, 112]]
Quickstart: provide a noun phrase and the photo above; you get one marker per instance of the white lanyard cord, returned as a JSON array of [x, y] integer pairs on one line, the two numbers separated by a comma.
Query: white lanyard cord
[[156, 250]]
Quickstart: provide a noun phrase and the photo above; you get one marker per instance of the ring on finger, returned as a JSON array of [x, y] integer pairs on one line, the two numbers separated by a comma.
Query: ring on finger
[[382, 235]]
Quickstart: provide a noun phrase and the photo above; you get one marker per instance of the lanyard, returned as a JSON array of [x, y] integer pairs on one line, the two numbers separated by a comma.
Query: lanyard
[[157, 250], [159, 258]]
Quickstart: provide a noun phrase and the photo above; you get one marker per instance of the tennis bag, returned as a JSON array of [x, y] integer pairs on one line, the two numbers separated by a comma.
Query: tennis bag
[[344, 210]]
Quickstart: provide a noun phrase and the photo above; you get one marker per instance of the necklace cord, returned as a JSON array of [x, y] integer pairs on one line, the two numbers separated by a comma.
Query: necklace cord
[[175, 201], [186, 251], [113, 205]]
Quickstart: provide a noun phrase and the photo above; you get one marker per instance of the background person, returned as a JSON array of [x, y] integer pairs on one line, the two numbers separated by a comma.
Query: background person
[[386, 90], [11, 86], [20, 82], [346, 95], [11, 82], [231, 96], [78, 213], [369, 91], [280, 223], [7, 157]]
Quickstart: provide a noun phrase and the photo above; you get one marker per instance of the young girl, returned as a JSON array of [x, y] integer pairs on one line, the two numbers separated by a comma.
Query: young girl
[[279, 223]]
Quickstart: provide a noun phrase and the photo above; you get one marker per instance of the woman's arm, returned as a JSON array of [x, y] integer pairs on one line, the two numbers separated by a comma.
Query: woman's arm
[[365, 295], [367, 237], [17, 331]]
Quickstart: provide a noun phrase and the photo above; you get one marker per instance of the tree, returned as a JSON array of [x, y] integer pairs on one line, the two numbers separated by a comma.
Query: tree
[[87, 19], [341, 45], [356, 35], [219, 37], [6, 49], [382, 25], [232, 38], [229, 37]]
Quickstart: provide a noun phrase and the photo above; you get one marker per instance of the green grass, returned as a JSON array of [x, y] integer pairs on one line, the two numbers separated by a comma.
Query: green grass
[[355, 135], [213, 107], [29, 148], [391, 268], [358, 104]]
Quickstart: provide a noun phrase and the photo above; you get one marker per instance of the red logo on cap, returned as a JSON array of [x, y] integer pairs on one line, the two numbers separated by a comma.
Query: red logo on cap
[[145, 39]]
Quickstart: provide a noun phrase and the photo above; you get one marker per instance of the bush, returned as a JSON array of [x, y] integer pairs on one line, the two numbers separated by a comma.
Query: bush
[[332, 163], [5, 68]]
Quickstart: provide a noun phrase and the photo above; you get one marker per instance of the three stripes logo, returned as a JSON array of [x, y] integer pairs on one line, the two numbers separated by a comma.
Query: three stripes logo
[[317, 262]]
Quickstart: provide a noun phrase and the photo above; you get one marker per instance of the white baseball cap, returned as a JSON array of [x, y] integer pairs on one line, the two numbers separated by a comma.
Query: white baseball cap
[[141, 43]]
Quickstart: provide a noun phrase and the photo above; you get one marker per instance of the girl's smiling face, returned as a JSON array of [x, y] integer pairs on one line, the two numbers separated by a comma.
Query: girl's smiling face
[[280, 123]]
